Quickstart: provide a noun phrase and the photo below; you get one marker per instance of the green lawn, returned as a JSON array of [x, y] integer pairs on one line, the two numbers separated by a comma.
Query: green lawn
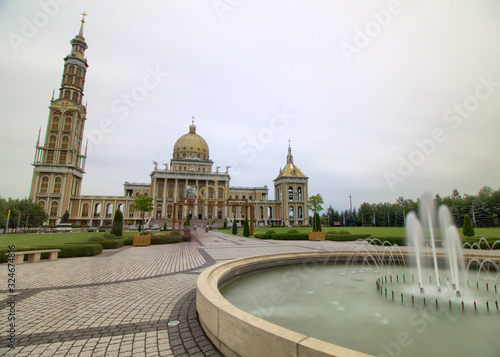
[[29, 240]]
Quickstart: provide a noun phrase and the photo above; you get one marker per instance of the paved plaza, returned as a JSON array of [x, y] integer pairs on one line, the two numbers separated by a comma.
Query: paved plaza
[[121, 302]]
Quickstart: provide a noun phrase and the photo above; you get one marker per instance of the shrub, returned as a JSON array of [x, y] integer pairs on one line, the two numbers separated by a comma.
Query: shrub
[[112, 243], [246, 228], [101, 230], [235, 227], [67, 250], [332, 232], [225, 225], [468, 228], [270, 231], [165, 226], [283, 236], [176, 234], [165, 240], [128, 240], [108, 236], [117, 227], [346, 237], [401, 241], [344, 232], [96, 239], [292, 231], [316, 226]]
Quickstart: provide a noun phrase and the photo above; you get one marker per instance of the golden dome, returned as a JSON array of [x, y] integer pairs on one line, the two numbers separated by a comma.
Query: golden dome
[[191, 146]]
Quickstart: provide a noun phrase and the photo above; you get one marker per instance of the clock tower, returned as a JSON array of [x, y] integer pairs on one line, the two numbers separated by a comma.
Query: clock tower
[[59, 162]]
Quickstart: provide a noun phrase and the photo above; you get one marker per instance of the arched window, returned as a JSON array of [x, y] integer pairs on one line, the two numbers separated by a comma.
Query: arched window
[[42, 204], [269, 212], [159, 190], [55, 123], [85, 210], [44, 185], [57, 185], [50, 156], [53, 208], [67, 93], [65, 142], [261, 212], [62, 157], [131, 211], [109, 209], [299, 212], [170, 193], [75, 97], [137, 194], [67, 124], [250, 198], [52, 142], [169, 211], [290, 212], [97, 210], [290, 193], [299, 193]]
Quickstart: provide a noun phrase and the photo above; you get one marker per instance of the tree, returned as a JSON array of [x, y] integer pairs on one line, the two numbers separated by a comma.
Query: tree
[[31, 212], [117, 227], [316, 226], [143, 204], [468, 229], [235, 227], [315, 203], [246, 228]]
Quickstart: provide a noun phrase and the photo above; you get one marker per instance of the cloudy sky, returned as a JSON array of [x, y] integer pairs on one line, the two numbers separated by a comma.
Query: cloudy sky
[[380, 99]]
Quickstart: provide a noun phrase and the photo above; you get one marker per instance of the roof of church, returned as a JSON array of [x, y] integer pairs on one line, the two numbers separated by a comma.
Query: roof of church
[[290, 170], [192, 144]]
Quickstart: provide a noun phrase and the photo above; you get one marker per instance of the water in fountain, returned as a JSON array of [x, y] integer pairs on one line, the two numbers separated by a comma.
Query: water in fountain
[[436, 292]]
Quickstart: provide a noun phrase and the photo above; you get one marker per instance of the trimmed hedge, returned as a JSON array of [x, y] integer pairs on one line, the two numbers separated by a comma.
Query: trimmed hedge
[[292, 231], [96, 239], [283, 236], [109, 236], [165, 240], [69, 250], [339, 232], [270, 231], [491, 241], [112, 243], [346, 237], [401, 241]]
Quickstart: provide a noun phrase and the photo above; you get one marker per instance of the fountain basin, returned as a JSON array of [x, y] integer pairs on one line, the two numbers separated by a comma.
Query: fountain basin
[[238, 333]]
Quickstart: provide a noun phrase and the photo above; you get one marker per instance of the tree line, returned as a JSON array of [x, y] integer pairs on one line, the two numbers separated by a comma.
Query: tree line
[[483, 209], [23, 213]]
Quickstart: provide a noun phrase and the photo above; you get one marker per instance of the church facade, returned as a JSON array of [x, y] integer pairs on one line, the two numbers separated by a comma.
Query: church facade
[[59, 166]]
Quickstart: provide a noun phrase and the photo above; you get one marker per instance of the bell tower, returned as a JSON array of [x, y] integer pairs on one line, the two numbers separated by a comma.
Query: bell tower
[[291, 191], [59, 163]]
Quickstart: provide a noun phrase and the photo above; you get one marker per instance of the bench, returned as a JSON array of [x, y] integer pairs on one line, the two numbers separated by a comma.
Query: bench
[[34, 255]]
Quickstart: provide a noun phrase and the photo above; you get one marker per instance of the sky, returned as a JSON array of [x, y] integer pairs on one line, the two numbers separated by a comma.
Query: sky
[[380, 99]]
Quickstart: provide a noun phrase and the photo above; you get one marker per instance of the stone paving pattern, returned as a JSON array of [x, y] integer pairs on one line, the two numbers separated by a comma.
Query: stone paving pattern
[[120, 303]]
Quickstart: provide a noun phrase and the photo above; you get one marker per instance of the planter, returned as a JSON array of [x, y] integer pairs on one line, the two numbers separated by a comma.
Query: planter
[[317, 235], [142, 240]]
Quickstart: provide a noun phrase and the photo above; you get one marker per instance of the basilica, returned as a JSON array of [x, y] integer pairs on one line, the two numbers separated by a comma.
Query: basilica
[[189, 186]]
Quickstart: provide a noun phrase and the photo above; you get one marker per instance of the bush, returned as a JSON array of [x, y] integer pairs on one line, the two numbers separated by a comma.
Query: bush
[[344, 232], [165, 226], [488, 244], [112, 243], [332, 232], [270, 231], [178, 234], [346, 237], [401, 241], [67, 250], [468, 228], [101, 230], [283, 236], [292, 231], [246, 228], [235, 227], [165, 240], [109, 236], [128, 240], [96, 239], [117, 227]]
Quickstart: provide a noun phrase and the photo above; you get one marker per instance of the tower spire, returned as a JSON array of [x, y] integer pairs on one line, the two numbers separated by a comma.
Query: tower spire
[[289, 157], [81, 26]]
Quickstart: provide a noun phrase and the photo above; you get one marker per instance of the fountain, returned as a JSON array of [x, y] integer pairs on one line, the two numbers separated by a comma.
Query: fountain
[[376, 299]]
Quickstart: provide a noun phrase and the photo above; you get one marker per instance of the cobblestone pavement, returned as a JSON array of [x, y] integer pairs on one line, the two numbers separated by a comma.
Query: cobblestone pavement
[[135, 301]]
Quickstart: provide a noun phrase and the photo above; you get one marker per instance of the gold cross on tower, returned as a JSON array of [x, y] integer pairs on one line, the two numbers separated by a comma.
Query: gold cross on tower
[[192, 120], [83, 19]]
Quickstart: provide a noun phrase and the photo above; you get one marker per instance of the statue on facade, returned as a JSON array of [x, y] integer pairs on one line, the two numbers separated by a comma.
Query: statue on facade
[[156, 164], [217, 169], [65, 217], [166, 167], [227, 169]]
